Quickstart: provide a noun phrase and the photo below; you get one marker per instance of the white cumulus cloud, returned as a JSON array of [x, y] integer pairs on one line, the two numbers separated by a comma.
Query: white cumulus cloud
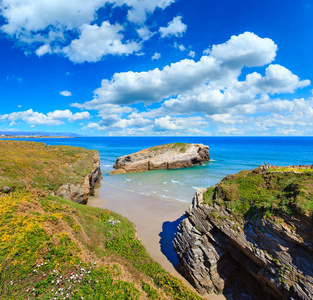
[[95, 42], [56, 117], [277, 79], [145, 33], [210, 88], [156, 56], [176, 27], [140, 9], [245, 49], [66, 93], [188, 77], [52, 27], [165, 123], [192, 54], [44, 49]]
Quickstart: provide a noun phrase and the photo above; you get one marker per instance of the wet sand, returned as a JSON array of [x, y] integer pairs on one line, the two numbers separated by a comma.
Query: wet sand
[[156, 220]]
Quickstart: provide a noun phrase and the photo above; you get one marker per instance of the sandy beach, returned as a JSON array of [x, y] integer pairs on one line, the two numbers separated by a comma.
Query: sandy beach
[[156, 220]]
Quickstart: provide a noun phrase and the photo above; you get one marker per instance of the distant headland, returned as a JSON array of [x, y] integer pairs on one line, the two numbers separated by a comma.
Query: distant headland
[[5, 136]]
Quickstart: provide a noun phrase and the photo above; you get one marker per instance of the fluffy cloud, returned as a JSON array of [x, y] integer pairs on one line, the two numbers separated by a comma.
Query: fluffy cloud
[[67, 114], [176, 27], [278, 79], [240, 97], [44, 49], [24, 17], [197, 94], [153, 86], [27, 16], [114, 122], [165, 123], [245, 49], [132, 122], [67, 26], [227, 119], [66, 93], [137, 125], [183, 126], [144, 33], [188, 76], [52, 118], [95, 42], [139, 9], [180, 47], [105, 109], [156, 56], [209, 87], [192, 54]]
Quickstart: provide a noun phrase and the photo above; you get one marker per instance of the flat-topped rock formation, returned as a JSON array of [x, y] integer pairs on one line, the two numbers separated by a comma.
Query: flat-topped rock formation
[[168, 156]]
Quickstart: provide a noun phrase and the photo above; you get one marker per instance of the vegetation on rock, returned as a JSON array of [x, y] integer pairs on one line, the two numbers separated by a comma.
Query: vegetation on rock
[[182, 147], [288, 189], [36, 165]]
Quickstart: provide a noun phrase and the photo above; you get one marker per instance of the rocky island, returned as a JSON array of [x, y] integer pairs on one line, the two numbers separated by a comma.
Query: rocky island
[[168, 156], [251, 235]]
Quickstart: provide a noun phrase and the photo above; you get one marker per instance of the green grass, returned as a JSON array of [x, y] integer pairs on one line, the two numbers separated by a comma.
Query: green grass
[[36, 165], [181, 147], [249, 192], [290, 169], [50, 246]]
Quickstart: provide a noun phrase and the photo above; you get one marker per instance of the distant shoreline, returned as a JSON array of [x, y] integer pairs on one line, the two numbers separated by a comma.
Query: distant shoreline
[[34, 137]]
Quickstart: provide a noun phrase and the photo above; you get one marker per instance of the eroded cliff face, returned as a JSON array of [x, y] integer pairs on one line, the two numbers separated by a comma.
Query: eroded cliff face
[[80, 192], [169, 156], [255, 258]]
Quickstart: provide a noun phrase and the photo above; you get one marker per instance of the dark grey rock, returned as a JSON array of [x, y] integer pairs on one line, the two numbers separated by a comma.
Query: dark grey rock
[[258, 260]]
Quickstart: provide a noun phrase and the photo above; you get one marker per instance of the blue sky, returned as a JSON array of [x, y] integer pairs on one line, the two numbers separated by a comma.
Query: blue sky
[[157, 67]]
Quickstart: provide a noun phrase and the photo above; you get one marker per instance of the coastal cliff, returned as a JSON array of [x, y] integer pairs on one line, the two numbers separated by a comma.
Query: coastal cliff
[[69, 172], [81, 191], [54, 248], [169, 156], [250, 236]]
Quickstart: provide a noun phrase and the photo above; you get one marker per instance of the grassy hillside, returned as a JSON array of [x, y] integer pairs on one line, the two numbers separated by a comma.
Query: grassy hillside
[[32, 164], [52, 248], [285, 189]]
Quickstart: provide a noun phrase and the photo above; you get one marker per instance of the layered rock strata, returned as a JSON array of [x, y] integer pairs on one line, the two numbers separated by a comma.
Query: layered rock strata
[[262, 258], [80, 192], [169, 156]]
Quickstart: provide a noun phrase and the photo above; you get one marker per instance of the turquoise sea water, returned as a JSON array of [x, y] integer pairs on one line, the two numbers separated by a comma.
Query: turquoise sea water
[[229, 155]]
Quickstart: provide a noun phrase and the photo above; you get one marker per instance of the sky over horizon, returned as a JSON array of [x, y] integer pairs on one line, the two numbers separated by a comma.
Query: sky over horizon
[[157, 67]]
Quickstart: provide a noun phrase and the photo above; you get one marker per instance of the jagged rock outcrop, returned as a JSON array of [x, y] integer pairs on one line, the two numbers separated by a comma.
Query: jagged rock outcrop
[[169, 156], [250, 257], [80, 192]]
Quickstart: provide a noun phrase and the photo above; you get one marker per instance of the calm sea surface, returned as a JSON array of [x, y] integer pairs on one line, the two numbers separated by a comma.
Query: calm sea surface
[[229, 155]]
